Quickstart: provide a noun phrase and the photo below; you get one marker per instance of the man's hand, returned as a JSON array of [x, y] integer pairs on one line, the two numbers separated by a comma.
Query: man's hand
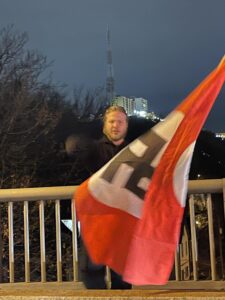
[[72, 144]]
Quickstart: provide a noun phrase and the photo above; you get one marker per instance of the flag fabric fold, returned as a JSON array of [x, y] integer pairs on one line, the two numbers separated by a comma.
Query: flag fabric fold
[[131, 209]]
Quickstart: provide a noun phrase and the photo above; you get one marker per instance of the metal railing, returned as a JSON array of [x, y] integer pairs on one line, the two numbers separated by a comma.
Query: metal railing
[[41, 196], [186, 260]]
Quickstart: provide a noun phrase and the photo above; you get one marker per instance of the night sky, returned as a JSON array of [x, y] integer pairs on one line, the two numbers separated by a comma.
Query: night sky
[[162, 49]]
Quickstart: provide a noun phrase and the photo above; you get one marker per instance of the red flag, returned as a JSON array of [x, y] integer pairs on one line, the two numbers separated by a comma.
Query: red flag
[[131, 209]]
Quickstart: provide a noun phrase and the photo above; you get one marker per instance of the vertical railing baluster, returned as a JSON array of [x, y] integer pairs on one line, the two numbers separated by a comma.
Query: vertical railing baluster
[[1, 245], [26, 241], [11, 242], [194, 246], [223, 180], [42, 240], [108, 279], [223, 229], [177, 264], [74, 241], [58, 241], [211, 237]]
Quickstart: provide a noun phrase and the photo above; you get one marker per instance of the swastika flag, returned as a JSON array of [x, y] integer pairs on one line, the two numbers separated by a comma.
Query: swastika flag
[[131, 209]]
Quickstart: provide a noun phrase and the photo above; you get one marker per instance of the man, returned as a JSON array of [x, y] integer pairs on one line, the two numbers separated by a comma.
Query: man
[[96, 154], [115, 124]]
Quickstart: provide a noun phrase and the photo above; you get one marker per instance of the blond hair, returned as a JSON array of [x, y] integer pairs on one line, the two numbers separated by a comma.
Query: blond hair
[[114, 108]]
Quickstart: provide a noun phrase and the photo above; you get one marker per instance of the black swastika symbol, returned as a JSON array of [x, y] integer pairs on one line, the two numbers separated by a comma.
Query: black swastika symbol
[[140, 166]]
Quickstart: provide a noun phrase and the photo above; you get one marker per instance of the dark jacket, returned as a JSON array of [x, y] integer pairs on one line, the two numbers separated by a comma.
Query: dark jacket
[[101, 152]]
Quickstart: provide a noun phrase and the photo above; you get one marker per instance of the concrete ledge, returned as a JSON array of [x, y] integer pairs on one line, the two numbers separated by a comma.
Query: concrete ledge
[[186, 285], [75, 291]]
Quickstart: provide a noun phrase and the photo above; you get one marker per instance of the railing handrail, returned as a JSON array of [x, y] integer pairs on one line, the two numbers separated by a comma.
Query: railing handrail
[[66, 192], [206, 186], [39, 193]]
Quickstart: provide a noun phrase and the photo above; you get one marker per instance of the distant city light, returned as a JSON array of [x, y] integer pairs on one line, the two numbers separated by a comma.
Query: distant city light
[[220, 135], [205, 154], [136, 107], [141, 113]]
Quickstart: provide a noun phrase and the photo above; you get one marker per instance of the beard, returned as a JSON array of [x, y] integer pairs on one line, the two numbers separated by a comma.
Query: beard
[[114, 137]]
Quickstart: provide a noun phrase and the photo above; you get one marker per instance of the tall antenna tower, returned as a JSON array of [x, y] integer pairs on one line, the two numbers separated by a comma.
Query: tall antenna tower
[[110, 83]]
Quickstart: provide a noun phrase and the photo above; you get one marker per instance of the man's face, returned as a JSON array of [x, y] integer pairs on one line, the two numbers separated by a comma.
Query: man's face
[[115, 127]]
